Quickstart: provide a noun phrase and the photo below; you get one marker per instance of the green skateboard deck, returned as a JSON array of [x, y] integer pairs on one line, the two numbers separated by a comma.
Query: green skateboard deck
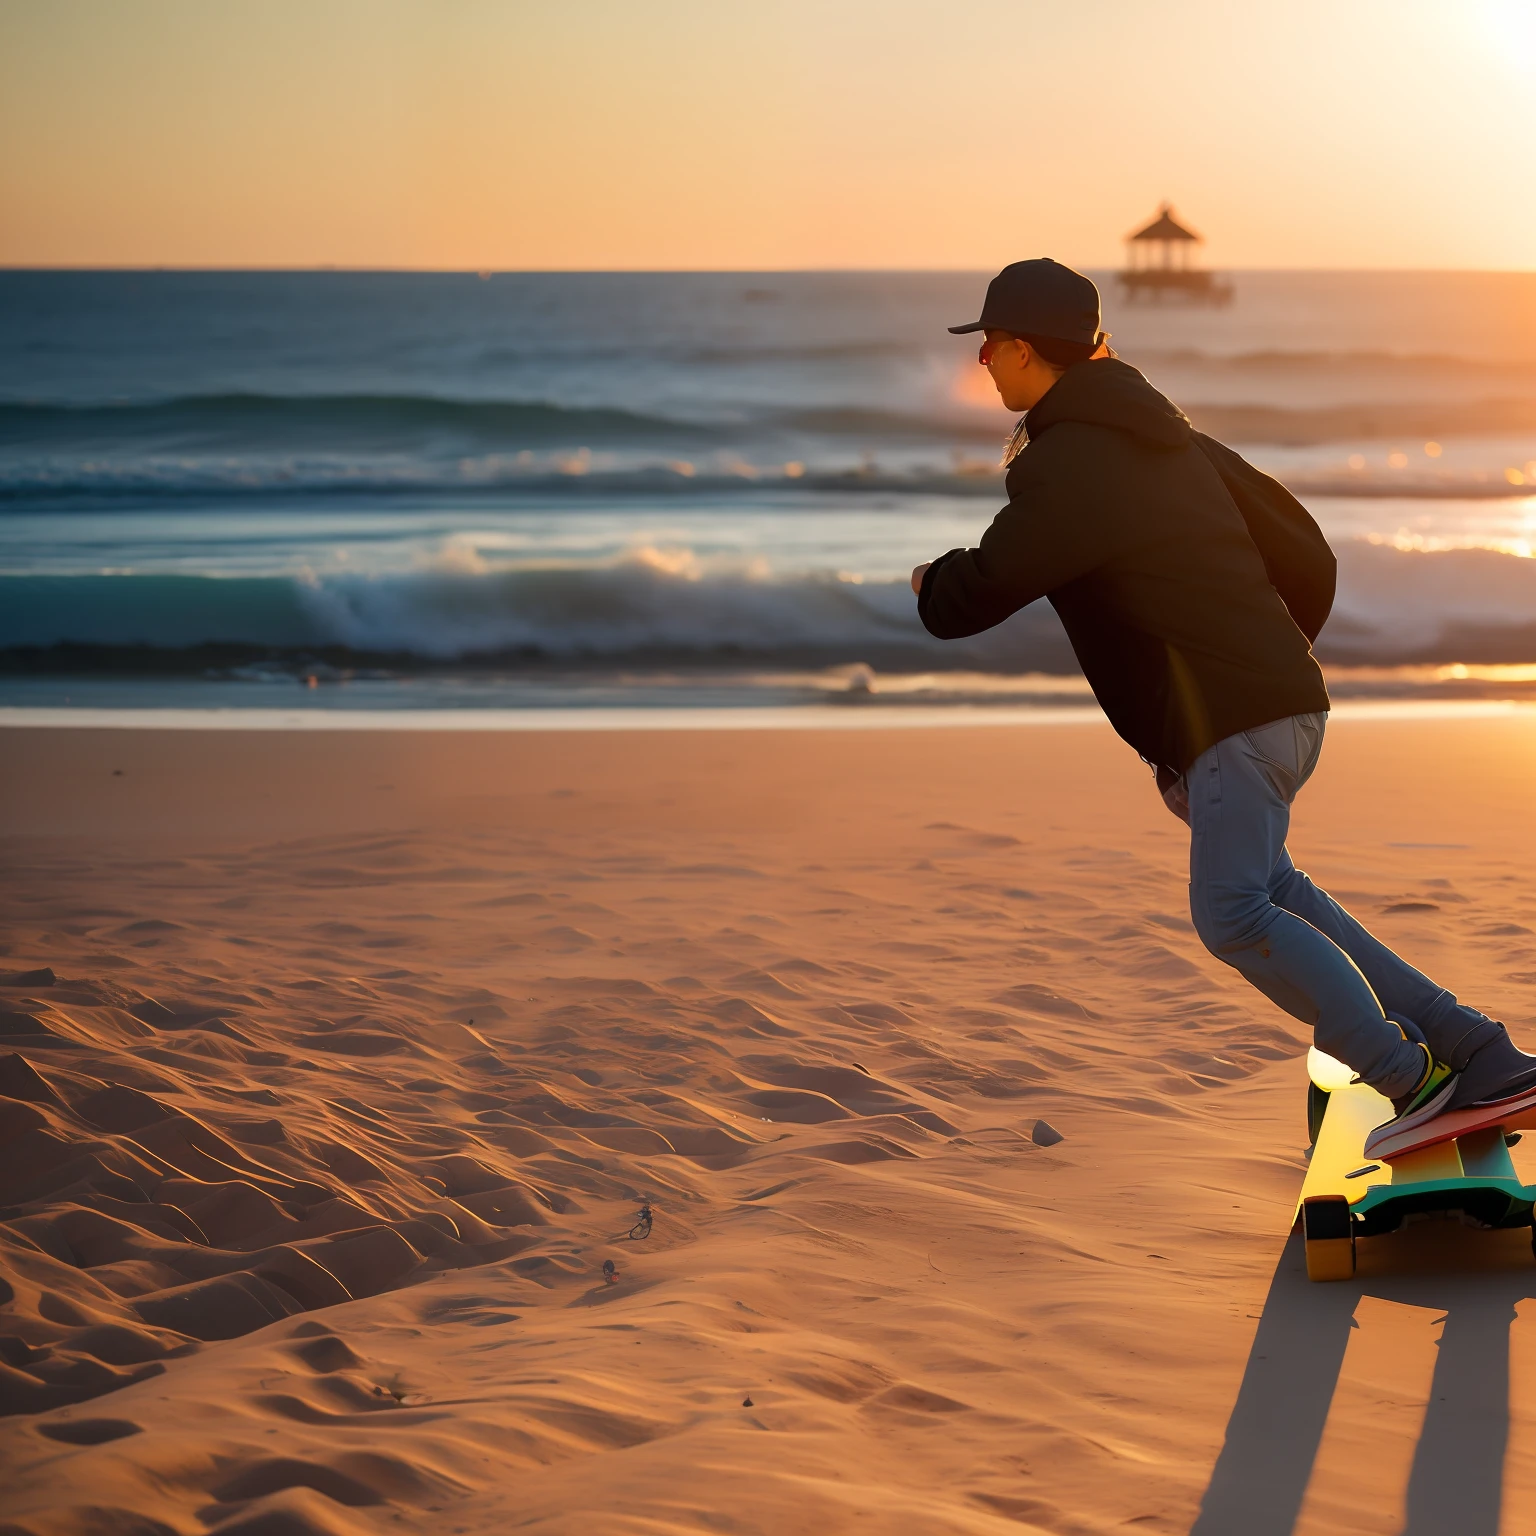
[[1348, 1195]]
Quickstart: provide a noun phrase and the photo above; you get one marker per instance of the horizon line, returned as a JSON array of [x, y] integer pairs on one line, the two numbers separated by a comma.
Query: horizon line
[[342, 269]]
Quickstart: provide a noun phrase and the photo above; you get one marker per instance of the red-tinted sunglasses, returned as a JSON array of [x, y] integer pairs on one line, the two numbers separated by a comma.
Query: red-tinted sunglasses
[[989, 347]]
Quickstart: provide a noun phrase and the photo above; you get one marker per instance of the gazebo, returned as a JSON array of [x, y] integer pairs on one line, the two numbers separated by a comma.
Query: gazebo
[[1159, 265]]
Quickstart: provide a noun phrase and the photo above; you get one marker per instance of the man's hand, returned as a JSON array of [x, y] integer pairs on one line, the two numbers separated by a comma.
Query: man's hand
[[918, 574]]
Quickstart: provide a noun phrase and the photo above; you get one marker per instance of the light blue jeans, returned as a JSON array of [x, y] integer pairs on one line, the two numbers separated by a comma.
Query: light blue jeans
[[1260, 914]]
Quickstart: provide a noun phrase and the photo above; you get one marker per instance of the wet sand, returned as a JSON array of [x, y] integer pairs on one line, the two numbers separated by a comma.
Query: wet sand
[[361, 1052]]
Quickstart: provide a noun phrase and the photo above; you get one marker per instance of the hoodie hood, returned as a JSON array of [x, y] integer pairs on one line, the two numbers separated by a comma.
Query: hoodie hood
[[1109, 393]]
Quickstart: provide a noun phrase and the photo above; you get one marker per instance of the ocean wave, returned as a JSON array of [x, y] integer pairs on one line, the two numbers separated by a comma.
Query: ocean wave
[[243, 443], [253, 444], [1366, 421], [1395, 607], [334, 419], [646, 602], [377, 481], [1309, 361], [577, 474], [525, 354], [1408, 606], [252, 418]]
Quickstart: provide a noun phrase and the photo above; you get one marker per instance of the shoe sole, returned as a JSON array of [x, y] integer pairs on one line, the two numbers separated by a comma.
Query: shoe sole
[[1425, 1112], [1391, 1141]]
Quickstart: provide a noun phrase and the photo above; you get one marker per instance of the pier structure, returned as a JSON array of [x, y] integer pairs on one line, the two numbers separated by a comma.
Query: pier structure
[[1160, 266]]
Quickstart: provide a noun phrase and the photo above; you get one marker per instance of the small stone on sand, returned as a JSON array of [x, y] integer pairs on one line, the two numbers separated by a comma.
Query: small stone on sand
[[746, 1402], [1045, 1135]]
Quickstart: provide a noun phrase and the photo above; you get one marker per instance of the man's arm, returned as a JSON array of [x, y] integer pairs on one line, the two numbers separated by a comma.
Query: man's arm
[[1030, 549], [1300, 565]]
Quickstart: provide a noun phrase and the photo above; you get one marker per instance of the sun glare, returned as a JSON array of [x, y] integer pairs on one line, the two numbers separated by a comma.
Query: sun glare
[[1508, 27], [973, 386]]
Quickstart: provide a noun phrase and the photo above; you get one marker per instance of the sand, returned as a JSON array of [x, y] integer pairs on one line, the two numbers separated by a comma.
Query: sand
[[358, 1054]]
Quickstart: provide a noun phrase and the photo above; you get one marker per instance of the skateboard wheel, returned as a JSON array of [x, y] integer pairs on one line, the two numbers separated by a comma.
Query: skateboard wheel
[[1329, 1231]]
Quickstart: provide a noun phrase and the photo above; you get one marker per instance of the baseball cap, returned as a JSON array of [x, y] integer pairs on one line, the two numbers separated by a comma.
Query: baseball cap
[[1039, 298]]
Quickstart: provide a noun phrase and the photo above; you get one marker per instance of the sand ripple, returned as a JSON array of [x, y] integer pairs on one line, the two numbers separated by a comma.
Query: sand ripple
[[313, 1151]]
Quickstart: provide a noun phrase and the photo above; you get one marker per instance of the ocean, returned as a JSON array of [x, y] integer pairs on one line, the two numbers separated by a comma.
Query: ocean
[[510, 491]]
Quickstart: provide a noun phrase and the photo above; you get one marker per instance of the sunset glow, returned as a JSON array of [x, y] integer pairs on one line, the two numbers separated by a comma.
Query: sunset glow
[[1392, 133]]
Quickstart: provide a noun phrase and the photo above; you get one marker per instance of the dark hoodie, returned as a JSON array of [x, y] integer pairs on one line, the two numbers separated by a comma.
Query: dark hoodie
[[1190, 585]]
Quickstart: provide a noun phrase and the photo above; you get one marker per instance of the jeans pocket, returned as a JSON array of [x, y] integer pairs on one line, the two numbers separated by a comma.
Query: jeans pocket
[[1287, 751], [1279, 754], [1309, 741]]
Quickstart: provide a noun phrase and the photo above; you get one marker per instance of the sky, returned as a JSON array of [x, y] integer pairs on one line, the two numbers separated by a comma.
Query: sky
[[711, 134]]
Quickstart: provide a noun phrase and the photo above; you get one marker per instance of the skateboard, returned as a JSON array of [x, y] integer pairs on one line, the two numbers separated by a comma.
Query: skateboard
[[1465, 1174]]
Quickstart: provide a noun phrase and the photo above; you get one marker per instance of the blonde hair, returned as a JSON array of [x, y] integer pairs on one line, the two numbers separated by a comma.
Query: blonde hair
[[1018, 442], [1060, 355]]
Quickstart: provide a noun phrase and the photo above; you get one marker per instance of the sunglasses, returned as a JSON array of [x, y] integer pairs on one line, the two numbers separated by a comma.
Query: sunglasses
[[989, 348]]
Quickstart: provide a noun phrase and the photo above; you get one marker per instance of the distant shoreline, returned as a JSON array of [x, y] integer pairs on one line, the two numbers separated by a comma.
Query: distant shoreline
[[809, 717]]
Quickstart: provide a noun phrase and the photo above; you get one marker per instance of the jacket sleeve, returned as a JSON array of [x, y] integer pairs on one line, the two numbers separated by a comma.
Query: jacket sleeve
[[1300, 565], [1029, 550]]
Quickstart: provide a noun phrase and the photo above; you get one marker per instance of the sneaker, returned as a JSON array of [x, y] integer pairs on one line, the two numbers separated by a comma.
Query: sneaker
[[1518, 1087], [1496, 1071], [1428, 1098]]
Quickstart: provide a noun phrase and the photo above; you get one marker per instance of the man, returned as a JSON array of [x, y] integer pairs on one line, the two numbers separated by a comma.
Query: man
[[1191, 587]]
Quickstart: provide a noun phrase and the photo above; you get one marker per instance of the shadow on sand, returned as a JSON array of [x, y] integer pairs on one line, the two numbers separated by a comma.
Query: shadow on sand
[[1456, 1483]]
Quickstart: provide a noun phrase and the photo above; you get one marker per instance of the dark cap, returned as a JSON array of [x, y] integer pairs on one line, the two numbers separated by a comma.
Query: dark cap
[[1039, 298]]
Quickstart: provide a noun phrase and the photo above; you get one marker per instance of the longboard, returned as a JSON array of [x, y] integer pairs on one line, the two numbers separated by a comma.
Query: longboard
[[1347, 1195]]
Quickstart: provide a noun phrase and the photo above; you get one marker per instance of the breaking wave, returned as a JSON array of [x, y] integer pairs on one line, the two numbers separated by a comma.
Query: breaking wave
[[1396, 607]]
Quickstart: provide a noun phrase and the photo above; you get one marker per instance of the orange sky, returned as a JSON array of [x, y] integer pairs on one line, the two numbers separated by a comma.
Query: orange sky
[[780, 133]]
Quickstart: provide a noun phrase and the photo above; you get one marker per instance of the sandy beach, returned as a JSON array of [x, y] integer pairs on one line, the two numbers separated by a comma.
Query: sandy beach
[[339, 1065]]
